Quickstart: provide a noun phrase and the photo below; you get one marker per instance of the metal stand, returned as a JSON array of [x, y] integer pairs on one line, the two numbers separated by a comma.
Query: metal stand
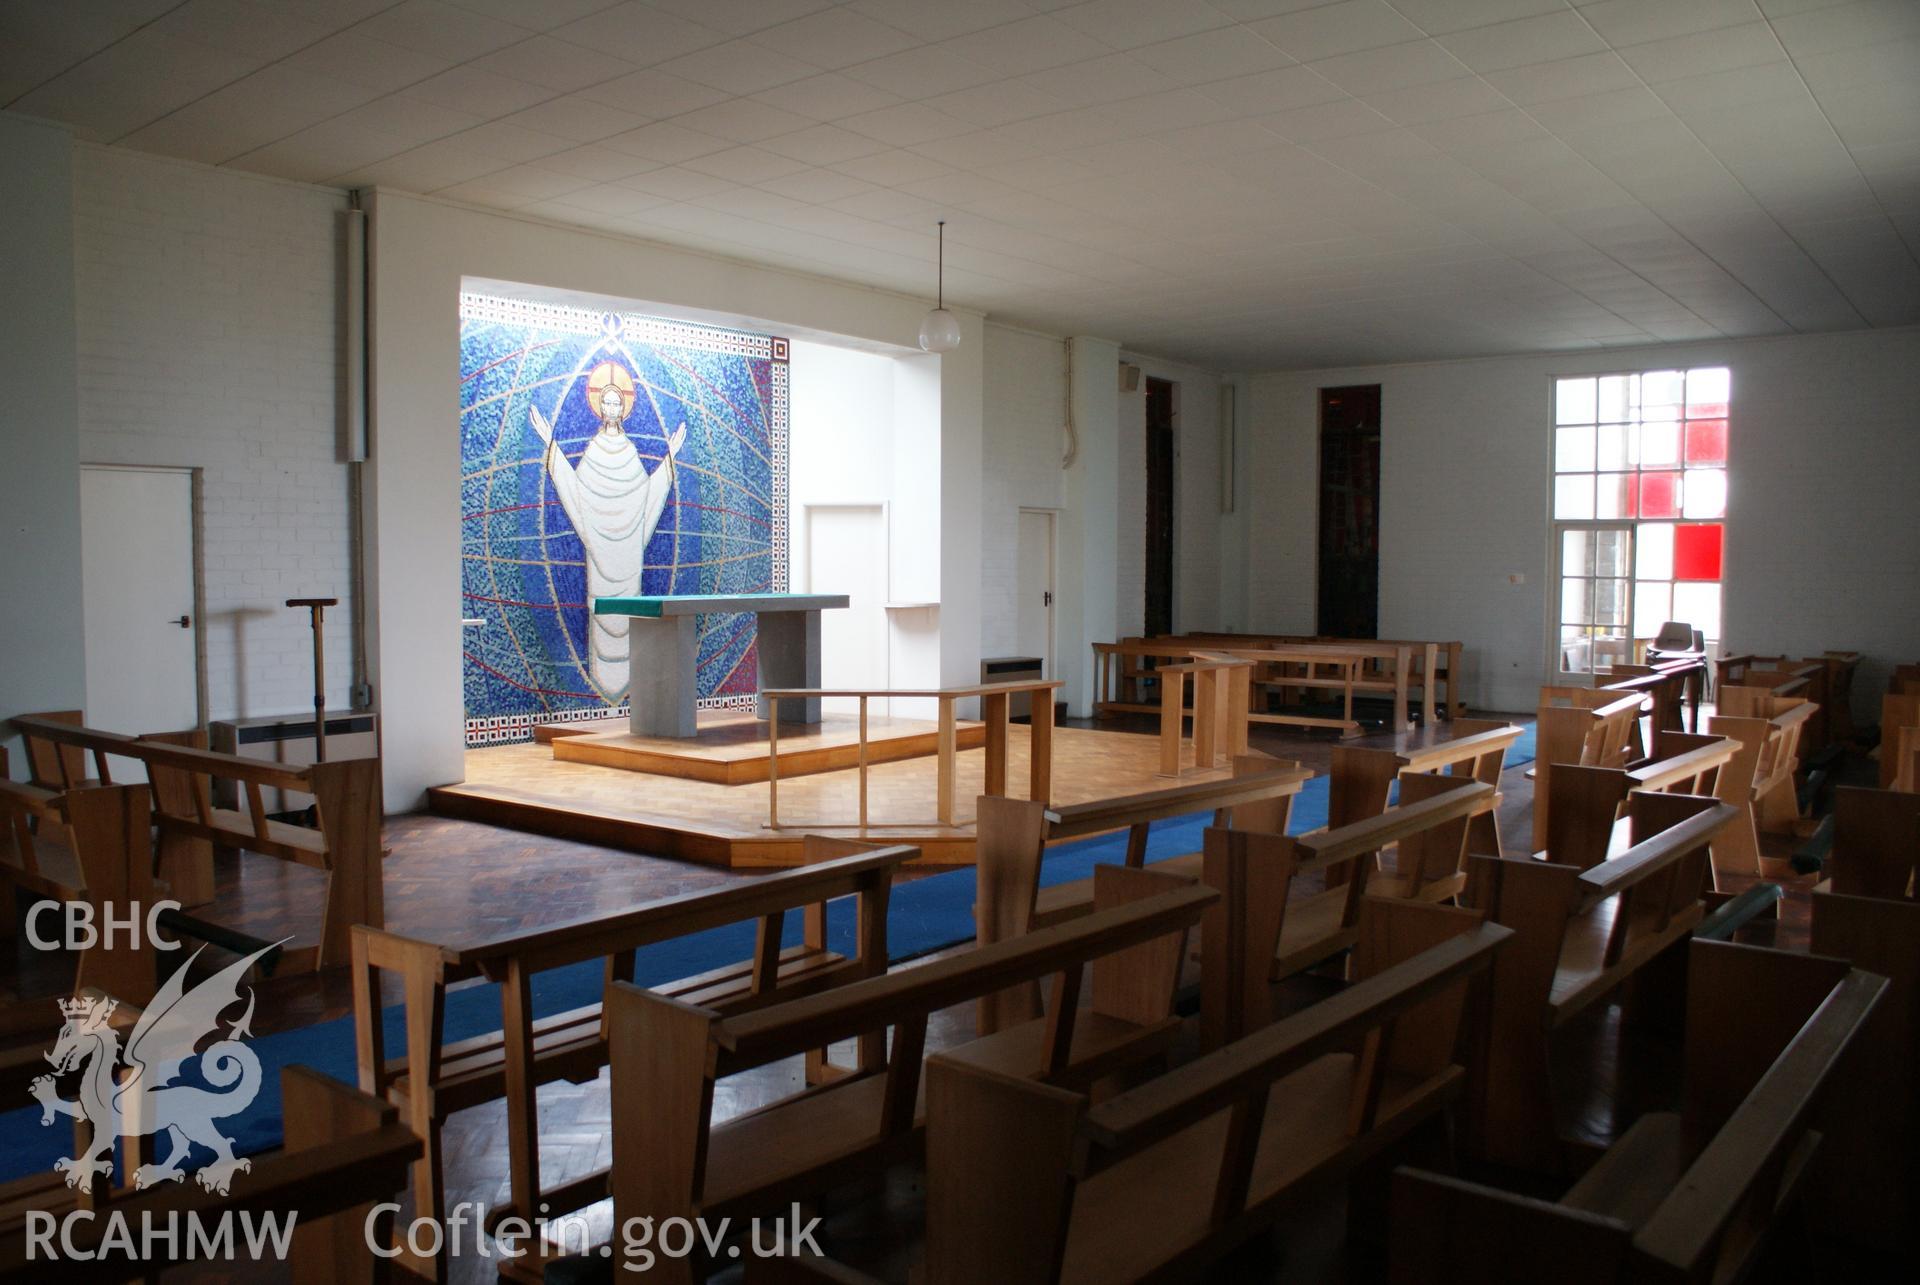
[[317, 607]]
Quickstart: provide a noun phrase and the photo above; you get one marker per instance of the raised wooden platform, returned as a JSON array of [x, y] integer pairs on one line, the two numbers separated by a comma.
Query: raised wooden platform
[[732, 747], [525, 787]]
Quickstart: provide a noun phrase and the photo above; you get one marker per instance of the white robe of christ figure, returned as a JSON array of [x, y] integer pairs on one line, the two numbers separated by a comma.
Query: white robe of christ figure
[[614, 505]]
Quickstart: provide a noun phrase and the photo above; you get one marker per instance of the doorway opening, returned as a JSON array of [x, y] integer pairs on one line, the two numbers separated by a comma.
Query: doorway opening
[[1160, 427], [1349, 580]]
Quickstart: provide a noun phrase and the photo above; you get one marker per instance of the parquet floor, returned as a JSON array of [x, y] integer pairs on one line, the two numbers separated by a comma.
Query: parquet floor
[[446, 875]]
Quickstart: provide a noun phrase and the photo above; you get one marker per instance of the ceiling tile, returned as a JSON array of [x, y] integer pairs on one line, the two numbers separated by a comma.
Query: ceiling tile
[[1763, 82], [553, 64], [132, 83], [484, 94], [361, 60], [835, 38], [1848, 26], [1704, 52], [1126, 24], [975, 151], [1393, 67], [1443, 100], [666, 142], [675, 183], [653, 94], [828, 97], [1033, 44], [1633, 22], [939, 19], [1437, 16], [906, 124], [1271, 91], [611, 198], [1547, 38], [817, 185], [922, 73], [745, 164], [892, 168], [739, 67], [409, 119], [1566, 78], [441, 29], [638, 34], [741, 17], [1099, 80], [1341, 28], [1212, 55], [253, 31], [599, 164], [573, 117], [51, 27], [999, 103], [1327, 120], [743, 120], [823, 145]]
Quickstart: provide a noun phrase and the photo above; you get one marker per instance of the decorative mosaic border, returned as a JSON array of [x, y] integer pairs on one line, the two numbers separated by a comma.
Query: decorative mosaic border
[[636, 327], [517, 729]]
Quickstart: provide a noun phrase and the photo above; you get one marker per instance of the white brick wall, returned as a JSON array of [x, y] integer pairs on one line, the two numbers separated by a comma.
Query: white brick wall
[[1824, 468], [1025, 428], [209, 337], [1196, 501]]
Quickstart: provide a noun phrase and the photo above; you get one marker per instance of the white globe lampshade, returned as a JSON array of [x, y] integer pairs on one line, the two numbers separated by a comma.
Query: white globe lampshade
[[939, 331]]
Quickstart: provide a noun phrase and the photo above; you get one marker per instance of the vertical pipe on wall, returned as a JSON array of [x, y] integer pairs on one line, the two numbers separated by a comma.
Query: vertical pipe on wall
[[355, 440]]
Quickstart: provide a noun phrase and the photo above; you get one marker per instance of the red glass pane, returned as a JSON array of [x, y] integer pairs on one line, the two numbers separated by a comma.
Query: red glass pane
[[1696, 551], [1659, 495], [1707, 441], [1707, 410]]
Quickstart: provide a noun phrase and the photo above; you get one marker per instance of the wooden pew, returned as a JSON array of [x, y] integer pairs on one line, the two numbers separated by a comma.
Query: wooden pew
[[1362, 775], [1220, 694], [1586, 807], [92, 846], [1426, 671], [1761, 776], [1690, 1196], [527, 1053], [1031, 1183], [1587, 726], [1260, 932], [1867, 913], [1582, 935], [344, 1150], [672, 1159], [1013, 835], [345, 847]]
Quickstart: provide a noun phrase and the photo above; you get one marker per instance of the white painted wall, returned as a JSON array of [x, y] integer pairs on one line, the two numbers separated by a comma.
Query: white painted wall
[[1025, 425], [42, 661], [421, 250], [1198, 526], [1089, 606], [1824, 465], [209, 337]]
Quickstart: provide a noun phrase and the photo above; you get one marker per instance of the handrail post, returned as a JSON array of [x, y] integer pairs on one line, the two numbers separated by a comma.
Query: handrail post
[[863, 763], [773, 765]]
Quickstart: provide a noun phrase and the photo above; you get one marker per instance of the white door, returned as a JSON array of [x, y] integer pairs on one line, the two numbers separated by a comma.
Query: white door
[[847, 553], [136, 577], [1035, 611]]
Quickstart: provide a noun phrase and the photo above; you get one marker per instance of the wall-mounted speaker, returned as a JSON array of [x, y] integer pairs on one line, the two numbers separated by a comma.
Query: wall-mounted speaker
[[1129, 378]]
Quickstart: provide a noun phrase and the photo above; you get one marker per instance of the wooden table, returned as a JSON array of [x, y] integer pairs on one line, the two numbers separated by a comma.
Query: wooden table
[[663, 651]]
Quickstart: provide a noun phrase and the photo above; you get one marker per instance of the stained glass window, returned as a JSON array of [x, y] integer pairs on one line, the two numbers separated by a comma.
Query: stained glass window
[[1640, 470]]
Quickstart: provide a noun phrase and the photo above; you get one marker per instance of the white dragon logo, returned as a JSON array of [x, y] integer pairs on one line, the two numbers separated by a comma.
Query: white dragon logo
[[132, 1090]]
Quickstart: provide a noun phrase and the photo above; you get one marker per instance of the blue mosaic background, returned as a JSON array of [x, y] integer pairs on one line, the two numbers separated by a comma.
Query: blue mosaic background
[[522, 565]]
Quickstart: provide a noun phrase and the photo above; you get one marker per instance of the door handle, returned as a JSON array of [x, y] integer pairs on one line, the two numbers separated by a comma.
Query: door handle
[[185, 622]]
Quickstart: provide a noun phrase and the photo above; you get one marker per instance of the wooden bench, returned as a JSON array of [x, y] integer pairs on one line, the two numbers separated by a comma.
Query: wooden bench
[[344, 846], [1760, 778], [1260, 932], [93, 846], [1582, 934], [1029, 1183], [1586, 806], [526, 1053], [343, 1151], [1866, 912], [1013, 835], [1362, 775], [1220, 687], [1687, 1196], [1425, 672], [673, 1159]]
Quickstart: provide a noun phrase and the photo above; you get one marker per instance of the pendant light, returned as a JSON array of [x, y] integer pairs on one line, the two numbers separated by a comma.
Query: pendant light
[[940, 329]]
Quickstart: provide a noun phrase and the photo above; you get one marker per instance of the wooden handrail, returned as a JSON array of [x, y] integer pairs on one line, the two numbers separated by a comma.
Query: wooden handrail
[[1375, 832], [1140, 1117], [1664, 772], [814, 1021], [1459, 749], [1651, 855], [1687, 1226]]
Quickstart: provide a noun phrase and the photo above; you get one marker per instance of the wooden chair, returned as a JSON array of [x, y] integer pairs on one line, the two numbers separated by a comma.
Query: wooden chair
[[1900, 738], [1760, 777], [1031, 1183], [526, 1053], [1691, 1196], [343, 1151], [1260, 931], [1585, 726], [90, 846], [1582, 935], [1587, 806], [673, 1159]]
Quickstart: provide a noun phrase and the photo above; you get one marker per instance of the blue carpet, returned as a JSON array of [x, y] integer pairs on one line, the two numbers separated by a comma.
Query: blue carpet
[[926, 915]]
